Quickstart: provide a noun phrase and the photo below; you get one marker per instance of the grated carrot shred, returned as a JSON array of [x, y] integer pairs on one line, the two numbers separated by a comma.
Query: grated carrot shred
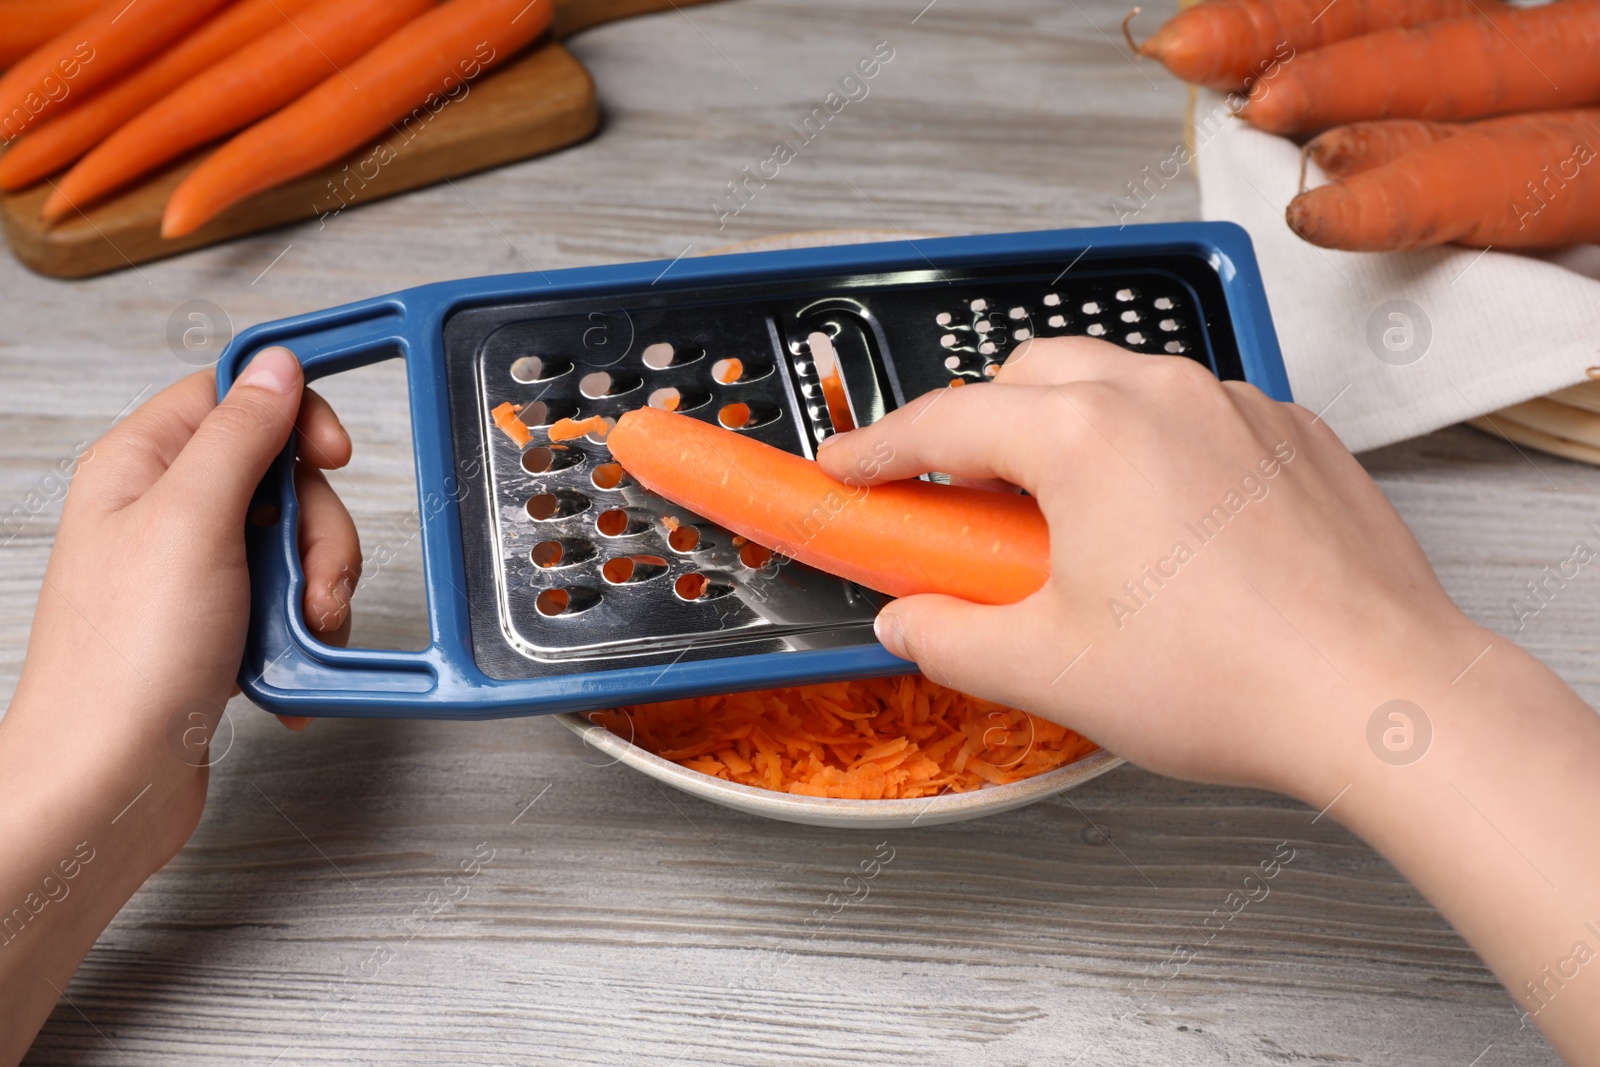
[[506, 417], [878, 739], [570, 429]]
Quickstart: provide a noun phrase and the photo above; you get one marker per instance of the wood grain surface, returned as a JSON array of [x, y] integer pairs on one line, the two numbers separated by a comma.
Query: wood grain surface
[[615, 923], [537, 103]]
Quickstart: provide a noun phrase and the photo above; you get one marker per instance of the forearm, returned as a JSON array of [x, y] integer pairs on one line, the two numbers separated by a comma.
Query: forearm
[[1498, 824], [74, 846]]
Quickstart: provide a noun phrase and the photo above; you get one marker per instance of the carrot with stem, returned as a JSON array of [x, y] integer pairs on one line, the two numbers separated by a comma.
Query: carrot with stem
[[88, 54], [898, 537], [429, 59], [1530, 59], [322, 41], [1522, 181], [1223, 44], [62, 142], [27, 24]]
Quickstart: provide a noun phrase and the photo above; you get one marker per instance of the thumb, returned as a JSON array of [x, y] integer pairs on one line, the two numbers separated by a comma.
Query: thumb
[[237, 441], [973, 648]]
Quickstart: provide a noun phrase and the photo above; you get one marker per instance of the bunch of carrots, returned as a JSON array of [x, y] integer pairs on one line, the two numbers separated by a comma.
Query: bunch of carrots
[[879, 739], [1438, 121], [108, 93]]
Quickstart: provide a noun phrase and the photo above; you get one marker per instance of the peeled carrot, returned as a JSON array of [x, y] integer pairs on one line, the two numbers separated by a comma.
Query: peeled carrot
[[88, 54], [1523, 181], [234, 92], [899, 537], [1360, 146], [427, 60], [59, 143], [27, 24], [877, 739], [1223, 44], [1531, 59]]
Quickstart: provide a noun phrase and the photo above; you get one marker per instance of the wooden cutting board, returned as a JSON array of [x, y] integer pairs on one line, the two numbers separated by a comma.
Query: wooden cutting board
[[538, 102]]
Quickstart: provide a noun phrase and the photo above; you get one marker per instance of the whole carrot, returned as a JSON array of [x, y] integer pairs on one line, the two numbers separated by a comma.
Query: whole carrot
[[59, 143], [27, 24], [1360, 146], [89, 54], [898, 537], [429, 59], [1222, 44], [1532, 59], [233, 92], [1523, 181]]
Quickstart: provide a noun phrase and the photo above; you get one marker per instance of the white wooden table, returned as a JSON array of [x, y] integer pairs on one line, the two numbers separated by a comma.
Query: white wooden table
[[616, 923]]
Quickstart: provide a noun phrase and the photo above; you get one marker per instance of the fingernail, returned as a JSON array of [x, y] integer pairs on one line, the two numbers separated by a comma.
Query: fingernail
[[887, 631], [273, 369], [830, 440]]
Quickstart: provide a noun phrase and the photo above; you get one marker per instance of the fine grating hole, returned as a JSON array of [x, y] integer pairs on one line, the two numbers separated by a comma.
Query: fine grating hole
[[1135, 338], [952, 362], [948, 340], [735, 416], [1022, 334], [543, 459], [979, 304], [1058, 321], [542, 413], [943, 318], [667, 399], [607, 476], [987, 348], [661, 355], [684, 539], [565, 552], [1164, 303], [545, 507], [527, 370], [1169, 324], [1018, 313], [991, 370], [754, 556], [1176, 347], [691, 586], [1091, 308], [630, 570], [1130, 316], [1126, 295], [1052, 300], [553, 602], [599, 384], [728, 371], [983, 326], [1096, 330]]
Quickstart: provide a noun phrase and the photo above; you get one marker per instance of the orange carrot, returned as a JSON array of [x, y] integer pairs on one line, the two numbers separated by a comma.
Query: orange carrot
[[88, 54], [258, 79], [1223, 44], [1531, 59], [428, 60], [27, 24], [571, 429], [59, 143], [510, 422], [1523, 181], [899, 537], [878, 739], [1360, 146]]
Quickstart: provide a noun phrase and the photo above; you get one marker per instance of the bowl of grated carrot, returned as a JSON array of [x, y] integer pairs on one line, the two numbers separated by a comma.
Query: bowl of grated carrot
[[876, 753]]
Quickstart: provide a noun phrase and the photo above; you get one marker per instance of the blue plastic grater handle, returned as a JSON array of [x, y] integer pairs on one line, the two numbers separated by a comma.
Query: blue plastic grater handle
[[287, 670]]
